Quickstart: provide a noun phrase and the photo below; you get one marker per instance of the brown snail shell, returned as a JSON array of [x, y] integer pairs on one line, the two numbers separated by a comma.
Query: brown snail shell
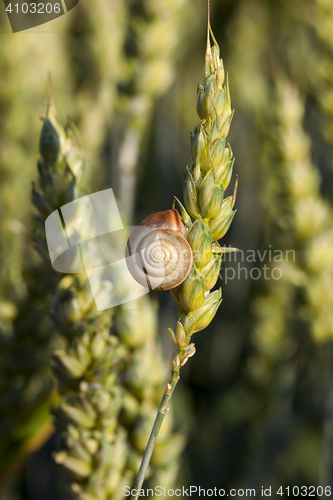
[[157, 253]]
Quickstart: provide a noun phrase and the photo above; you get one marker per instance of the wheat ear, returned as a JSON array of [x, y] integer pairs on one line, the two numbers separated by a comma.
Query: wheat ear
[[86, 363], [302, 222], [152, 43], [206, 179], [312, 225], [311, 214]]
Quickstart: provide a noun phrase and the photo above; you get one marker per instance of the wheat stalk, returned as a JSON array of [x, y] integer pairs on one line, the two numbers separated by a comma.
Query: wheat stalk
[[206, 179], [93, 73], [142, 379], [152, 41]]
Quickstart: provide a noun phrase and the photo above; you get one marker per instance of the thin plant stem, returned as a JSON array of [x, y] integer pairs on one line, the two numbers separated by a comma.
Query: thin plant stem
[[161, 412], [127, 170]]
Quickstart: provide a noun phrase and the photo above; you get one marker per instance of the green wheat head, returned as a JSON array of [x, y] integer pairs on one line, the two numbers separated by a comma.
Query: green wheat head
[[205, 182]]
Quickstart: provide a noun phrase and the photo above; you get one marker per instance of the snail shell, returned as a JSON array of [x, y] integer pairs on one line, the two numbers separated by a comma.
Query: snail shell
[[157, 253]]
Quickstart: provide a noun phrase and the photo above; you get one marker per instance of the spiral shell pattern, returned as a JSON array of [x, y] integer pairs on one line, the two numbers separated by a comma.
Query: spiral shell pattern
[[157, 254]]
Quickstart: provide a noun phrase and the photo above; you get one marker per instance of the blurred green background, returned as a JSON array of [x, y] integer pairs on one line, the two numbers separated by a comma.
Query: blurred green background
[[256, 402]]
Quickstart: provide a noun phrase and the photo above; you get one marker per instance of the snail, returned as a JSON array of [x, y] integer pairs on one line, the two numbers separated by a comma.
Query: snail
[[157, 252]]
